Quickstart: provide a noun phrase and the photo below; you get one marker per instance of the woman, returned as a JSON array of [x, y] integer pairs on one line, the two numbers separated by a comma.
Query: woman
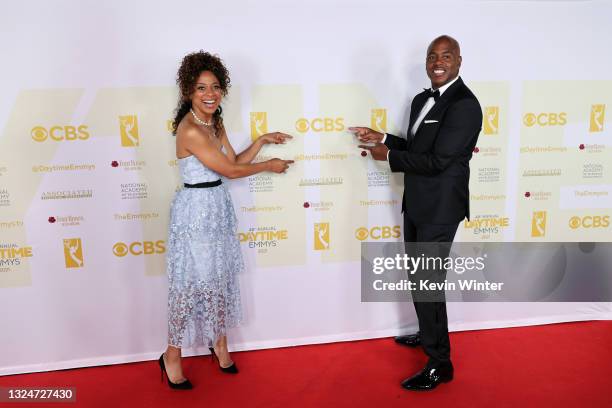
[[203, 250]]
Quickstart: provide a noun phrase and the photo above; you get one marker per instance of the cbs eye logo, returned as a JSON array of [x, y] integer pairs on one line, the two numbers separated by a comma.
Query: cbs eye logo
[[595, 221], [303, 125], [378, 232], [121, 249], [545, 119], [361, 233], [60, 133]]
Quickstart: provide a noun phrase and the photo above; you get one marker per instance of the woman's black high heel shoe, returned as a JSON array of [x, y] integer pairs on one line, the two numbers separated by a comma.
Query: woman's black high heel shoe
[[185, 385], [230, 370]]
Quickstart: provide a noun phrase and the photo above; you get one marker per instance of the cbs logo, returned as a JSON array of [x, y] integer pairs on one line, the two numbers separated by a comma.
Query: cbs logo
[[595, 221], [377, 232], [59, 133], [303, 125], [121, 249], [545, 119]]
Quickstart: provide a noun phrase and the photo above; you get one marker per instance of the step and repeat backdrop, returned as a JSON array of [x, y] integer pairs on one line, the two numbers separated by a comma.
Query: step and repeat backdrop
[[88, 168]]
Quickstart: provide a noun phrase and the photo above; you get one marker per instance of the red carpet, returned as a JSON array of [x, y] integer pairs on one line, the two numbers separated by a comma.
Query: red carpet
[[562, 365]]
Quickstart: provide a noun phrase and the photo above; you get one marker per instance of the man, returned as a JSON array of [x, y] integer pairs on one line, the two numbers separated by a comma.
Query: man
[[444, 125]]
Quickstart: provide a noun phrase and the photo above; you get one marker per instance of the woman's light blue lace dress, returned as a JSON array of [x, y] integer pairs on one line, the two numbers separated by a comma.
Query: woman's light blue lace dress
[[203, 260]]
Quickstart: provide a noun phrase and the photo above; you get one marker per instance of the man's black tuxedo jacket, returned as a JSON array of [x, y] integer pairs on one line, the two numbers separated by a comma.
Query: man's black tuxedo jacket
[[435, 162]]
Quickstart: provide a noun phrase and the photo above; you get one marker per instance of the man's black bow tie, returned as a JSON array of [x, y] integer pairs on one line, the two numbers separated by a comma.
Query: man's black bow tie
[[433, 94]]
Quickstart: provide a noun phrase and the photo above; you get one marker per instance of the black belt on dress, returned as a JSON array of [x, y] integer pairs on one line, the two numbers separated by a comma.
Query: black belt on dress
[[207, 184]]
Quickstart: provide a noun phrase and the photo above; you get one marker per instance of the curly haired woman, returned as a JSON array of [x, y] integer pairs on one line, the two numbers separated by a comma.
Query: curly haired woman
[[203, 250]]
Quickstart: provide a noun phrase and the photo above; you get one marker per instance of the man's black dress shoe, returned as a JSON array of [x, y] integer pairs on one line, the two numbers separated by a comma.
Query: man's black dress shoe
[[429, 378], [412, 340]]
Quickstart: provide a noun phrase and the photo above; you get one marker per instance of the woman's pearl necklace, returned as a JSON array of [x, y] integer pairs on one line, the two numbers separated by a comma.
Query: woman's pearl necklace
[[200, 121]]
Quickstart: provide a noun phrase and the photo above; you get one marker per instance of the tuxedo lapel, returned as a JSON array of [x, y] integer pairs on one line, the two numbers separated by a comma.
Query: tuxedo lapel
[[445, 98], [440, 104], [419, 102]]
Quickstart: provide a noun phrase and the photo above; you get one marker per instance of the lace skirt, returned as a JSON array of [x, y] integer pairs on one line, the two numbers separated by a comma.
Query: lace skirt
[[203, 260]]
